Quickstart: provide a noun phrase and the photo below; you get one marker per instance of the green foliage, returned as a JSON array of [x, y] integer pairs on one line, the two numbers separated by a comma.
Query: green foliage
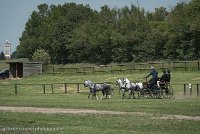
[[2, 56], [74, 33], [41, 56]]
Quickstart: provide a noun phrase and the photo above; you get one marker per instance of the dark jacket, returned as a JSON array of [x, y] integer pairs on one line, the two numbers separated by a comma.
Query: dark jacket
[[154, 74]]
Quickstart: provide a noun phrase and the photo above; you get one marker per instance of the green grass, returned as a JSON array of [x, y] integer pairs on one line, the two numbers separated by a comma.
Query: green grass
[[189, 106], [107, 124], [33, 96]]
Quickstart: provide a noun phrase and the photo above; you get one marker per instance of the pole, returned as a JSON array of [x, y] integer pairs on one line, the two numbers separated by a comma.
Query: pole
[[184, 89], [78, 88], [16, 89], [65, 87], [197, 89], [44, 88], [185, 66], [52, 88]]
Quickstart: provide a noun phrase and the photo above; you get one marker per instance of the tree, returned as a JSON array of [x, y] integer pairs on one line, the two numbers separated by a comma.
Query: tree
[[2, 56], [74, 33]]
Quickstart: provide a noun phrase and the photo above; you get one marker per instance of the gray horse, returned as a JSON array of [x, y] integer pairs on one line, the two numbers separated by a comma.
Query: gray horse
[[93, 87], [131, 87], [121, 85]]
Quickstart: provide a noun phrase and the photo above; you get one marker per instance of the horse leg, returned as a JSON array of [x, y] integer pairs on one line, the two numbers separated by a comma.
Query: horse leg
[[123, 93], [102, 94], [89, 95], [133, 95], [96, 96], [130, 93], [108, 94]]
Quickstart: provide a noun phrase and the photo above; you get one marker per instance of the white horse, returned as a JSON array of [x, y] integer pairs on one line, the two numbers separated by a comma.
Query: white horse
[[132, 87], [93, 87], [120, 84]]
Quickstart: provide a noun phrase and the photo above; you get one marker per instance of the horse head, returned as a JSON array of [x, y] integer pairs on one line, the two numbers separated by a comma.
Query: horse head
[[128, 84], [87, 83], [118, 81]]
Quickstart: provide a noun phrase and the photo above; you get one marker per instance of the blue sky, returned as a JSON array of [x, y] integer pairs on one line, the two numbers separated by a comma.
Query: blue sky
[[15, 13]]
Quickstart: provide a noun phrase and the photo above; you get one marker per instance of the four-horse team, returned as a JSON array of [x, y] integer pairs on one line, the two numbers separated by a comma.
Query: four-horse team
[[156, 87]]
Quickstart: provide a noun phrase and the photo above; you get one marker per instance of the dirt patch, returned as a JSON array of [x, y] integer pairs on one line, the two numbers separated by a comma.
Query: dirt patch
[[62, 110], [177, 117], [88, 111]]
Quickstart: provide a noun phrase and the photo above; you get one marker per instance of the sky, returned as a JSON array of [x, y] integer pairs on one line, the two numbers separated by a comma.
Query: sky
[[15, 13]]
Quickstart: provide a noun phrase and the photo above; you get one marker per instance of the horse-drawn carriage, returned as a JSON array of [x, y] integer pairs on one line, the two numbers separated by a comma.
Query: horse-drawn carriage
[[159, 90], [144, 90], [160, 87]]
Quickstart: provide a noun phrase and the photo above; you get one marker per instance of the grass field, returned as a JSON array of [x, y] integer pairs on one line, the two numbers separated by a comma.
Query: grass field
[[150, 122]]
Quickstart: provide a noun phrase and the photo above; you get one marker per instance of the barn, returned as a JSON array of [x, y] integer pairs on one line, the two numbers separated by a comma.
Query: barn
[[21, 68]]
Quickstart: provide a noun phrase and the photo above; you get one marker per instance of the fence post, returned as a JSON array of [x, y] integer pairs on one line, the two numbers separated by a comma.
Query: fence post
[[65, 87], [174, 65], [197, 89], [185, 66], [15, 88], [53, 71], [52, 88], [78, 88], [92, 70], [184, 89], [198, 65], [83, 70], [44, 88]]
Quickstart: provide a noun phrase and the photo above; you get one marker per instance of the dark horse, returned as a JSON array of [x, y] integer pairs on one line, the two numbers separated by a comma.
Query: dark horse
[[93, 87]]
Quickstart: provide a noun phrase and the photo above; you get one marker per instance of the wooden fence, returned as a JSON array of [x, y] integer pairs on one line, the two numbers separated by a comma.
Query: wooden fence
[[188, 89], [43, 86], [175, 65]]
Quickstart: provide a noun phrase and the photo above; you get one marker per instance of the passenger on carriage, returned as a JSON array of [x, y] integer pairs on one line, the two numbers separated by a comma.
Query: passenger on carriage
[[164, 79], [168, 76]]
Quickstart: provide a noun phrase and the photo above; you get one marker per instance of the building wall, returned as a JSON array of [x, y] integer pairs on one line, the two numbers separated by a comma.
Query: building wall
[[24, 69], [32, 68]]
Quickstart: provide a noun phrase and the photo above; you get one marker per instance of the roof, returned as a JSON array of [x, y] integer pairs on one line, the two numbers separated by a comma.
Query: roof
[[21, 60]]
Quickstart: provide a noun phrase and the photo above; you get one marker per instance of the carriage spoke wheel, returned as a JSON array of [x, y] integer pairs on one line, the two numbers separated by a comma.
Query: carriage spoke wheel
[[167, 92], [141, 94], [157, 93], [144, 94]]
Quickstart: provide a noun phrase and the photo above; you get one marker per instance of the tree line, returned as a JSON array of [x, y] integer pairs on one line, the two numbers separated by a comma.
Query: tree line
[[75, 33]]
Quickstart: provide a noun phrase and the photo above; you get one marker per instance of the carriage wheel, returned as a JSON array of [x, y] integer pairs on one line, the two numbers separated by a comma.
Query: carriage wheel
[[167, 92], [144, 94], [141, 94], [156, 93]]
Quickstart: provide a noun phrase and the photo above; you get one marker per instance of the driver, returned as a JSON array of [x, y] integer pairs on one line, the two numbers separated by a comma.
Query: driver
[[154, 78]]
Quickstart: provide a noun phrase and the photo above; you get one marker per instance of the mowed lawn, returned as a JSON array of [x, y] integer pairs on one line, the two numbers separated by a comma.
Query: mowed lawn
[[150, 121]]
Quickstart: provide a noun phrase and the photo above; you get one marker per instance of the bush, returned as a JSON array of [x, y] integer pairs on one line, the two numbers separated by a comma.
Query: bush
[[40, 55]]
